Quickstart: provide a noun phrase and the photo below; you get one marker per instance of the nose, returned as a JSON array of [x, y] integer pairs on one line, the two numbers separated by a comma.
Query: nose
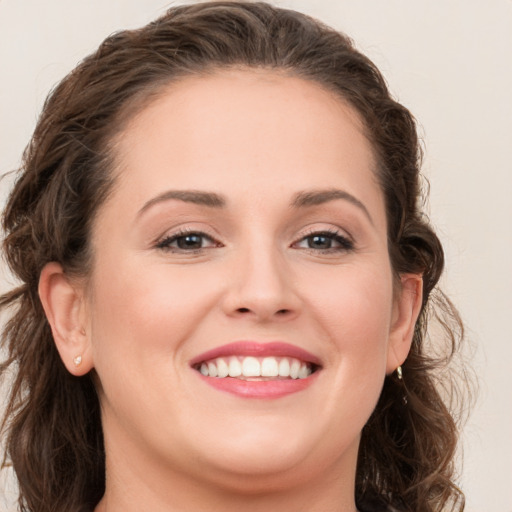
[[261, 286]]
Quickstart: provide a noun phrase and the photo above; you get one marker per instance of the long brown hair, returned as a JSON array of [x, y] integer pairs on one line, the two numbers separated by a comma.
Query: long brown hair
[[52, 424]]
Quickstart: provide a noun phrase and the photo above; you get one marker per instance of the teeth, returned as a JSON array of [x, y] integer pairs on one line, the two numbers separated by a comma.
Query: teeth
[[212, 370], [303, 371], [235, 367], [284, 367], [294, 369], [222, 368], [250, 367], [269, 367]]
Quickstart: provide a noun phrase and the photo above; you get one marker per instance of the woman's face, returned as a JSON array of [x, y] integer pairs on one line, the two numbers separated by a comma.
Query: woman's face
[[246, 233]]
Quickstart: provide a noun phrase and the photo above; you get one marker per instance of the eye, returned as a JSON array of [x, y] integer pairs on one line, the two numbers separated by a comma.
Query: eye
[[187, 242], [325, 241]]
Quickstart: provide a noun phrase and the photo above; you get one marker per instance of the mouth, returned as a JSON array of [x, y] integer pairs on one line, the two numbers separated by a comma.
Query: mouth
[[259, 370], [256, 368]]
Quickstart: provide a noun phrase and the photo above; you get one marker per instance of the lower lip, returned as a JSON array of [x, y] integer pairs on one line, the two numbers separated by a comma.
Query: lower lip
[[259, 389]]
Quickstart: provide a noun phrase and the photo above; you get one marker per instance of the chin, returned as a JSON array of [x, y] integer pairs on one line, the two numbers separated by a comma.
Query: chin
[[253, 472], [271, 449]]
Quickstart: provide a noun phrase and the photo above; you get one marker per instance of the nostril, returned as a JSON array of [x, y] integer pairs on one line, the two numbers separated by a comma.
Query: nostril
[[279, 312]]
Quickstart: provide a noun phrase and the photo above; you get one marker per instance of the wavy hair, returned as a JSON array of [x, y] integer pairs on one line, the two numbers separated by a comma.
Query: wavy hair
[[52, 424]]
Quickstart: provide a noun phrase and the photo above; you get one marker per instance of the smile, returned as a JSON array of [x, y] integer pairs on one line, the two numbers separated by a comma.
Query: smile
[[251, 369], [260, 368]]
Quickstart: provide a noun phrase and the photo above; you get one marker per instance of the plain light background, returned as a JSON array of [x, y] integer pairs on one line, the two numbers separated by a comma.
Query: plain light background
[[449, 62]]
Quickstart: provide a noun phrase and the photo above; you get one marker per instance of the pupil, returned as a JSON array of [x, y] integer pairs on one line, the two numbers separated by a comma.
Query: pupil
[[319, 242], [190, 242]]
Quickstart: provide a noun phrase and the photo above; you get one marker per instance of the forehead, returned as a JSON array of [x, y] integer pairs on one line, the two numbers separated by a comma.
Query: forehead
[[238, 95], [258, 127]]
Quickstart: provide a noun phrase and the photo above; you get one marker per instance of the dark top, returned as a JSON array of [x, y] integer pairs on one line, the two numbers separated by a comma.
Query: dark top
[[375, 506]]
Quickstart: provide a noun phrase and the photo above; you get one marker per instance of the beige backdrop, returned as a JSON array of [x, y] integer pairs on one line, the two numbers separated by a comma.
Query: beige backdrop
[[450, 63]]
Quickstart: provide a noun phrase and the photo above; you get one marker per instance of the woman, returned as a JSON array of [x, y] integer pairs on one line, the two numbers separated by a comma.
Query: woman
[[226, 280]]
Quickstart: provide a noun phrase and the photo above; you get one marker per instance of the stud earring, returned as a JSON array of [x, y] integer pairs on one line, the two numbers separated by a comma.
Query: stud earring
[[77, 360]]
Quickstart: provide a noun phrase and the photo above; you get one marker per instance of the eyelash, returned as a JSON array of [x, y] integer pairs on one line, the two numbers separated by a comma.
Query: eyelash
[[165, 243], [345, 244]]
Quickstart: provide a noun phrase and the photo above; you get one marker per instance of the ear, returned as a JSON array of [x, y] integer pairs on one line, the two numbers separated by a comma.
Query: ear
[[407, 306], [64, 305]]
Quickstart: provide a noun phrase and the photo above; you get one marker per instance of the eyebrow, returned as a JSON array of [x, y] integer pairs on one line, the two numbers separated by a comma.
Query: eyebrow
[[212, 200], [209, 199], [318, 197]]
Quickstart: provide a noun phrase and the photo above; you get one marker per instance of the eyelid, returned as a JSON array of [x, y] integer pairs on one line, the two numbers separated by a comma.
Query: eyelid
[[340, 236], [186, 227], [327, 229], [163, 242], [345, 240]]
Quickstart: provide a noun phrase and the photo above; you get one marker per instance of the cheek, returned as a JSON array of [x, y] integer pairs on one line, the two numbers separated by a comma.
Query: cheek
[[144, 314], [141, 321], [354, 308]]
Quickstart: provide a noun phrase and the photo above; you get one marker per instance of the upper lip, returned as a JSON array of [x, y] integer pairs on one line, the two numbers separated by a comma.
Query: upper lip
[[257, 349]]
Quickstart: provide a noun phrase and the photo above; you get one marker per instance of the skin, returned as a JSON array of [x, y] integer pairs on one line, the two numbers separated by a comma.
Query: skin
[[173, 443]]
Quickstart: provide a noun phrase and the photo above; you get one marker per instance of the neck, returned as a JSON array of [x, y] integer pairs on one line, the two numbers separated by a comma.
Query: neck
[[145, 486], [313, 499]]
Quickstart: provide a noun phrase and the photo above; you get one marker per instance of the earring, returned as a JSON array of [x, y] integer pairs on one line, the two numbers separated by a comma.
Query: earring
[[77, 360], [400, 376]]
